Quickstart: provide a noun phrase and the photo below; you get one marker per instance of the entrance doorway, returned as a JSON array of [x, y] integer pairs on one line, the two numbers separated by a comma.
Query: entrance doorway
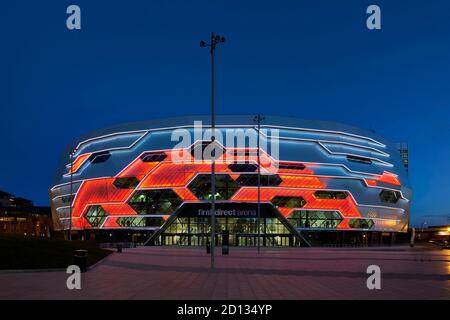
[[243, 232]]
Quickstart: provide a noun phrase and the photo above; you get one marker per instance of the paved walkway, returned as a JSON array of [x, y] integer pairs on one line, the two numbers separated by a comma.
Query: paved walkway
[[293, 273]]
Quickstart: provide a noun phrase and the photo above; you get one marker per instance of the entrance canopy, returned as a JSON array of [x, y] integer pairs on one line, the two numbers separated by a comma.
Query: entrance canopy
[[190, 226]]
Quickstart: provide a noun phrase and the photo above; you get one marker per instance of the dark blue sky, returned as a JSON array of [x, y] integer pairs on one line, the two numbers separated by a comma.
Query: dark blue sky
[[138, 60]]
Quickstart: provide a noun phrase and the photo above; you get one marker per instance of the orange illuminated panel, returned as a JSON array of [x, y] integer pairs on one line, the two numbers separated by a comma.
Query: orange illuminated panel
[[301, 182], [344, 224], [371, 183], [111, 222], [116, 209], [185, 194], [386, 177], [138, 168], [80, 223], [98, 191], [285, 211], [169, 175], [178, 174], [346, 206], [78, 162]]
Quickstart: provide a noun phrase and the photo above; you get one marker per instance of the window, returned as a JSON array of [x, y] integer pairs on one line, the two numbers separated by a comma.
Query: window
[[126, 183], [242, 167], [315, 219], [291, 166], [361, 223], [96, 215], [340, 195], [251, 180], [198, 150], [153, 156], [140, 222], [359, 159], [225, 186], [99, 157], [288, 202], [157, 201], [389, 196]]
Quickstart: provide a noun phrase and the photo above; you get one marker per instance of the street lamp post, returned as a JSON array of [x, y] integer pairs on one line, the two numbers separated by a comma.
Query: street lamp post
[[258, 118], [215, 39], [70, 196]]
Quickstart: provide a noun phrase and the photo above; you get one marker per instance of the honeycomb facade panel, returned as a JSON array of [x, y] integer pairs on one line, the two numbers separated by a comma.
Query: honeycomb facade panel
[[314, 175]]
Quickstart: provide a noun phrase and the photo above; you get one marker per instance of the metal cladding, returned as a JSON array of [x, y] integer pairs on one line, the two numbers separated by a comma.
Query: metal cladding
[[318, 175]]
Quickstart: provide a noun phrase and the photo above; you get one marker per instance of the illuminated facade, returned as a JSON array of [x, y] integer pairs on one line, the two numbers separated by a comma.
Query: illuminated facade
[[315, 176]]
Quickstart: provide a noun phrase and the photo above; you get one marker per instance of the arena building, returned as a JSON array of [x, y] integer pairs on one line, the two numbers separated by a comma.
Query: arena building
[[320, 182]]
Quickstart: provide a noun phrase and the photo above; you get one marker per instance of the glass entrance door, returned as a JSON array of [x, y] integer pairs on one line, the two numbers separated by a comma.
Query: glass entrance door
[[243, 232]]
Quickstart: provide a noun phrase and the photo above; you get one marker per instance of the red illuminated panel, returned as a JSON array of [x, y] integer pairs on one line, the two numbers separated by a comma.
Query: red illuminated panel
[[80, 223], [98, 191], [344, 224], [285, 211], [115, 209], [301, 182], [346, 206], [178, 174], [169, 175], [138, 168], [78, 162], [386, 177], [111, 222], [185, 194]]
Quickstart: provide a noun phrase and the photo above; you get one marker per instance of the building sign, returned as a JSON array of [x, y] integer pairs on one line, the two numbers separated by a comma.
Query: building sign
[[230, 210], [229, 213]]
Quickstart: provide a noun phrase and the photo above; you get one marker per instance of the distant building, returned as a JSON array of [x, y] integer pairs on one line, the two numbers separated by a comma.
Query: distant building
[[20, 216], [439, 234], [404, 154]]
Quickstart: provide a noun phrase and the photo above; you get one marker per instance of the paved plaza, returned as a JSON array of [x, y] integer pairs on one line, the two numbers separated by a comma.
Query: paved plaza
[[292, 273]]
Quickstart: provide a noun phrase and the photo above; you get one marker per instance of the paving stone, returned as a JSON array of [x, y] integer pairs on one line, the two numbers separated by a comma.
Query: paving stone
[[285, 273]]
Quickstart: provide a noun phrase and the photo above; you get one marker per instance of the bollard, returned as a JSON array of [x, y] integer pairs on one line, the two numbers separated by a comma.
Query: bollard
[[80, 259], [225, 249]]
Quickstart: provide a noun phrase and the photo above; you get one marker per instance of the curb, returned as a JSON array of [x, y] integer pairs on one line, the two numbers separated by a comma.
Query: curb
[[31, 270], [100, 261], [7, 271]]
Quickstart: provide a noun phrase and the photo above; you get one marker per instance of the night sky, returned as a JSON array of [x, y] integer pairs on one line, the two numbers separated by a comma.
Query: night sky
[[136, 60]]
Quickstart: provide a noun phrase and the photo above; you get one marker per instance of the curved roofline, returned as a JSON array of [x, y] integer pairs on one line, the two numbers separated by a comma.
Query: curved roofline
[[235, 120]]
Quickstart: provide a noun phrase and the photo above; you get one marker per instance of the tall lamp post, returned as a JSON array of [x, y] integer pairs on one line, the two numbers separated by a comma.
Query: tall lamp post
[[71, 192], [215, 39], [258, 118]]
